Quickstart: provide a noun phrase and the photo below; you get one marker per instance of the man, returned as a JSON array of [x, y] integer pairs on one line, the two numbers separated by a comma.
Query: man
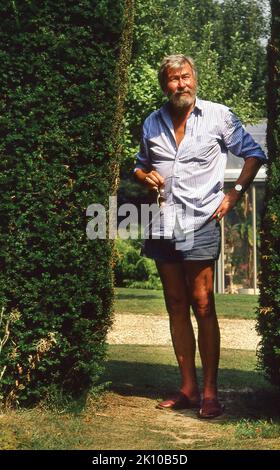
[[183, 154]]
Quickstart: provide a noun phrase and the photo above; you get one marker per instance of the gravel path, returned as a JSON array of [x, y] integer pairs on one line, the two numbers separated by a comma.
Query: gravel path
[[144, 329]]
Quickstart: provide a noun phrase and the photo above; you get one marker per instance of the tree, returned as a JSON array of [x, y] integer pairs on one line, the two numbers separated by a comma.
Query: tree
[[246, 21], [269, 302]]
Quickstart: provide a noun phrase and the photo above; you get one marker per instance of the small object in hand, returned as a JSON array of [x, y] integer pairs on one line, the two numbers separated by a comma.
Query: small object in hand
[[160, 198], [218, 215]]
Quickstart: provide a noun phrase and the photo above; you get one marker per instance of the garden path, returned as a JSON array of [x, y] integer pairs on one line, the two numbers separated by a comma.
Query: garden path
[[149, 330]]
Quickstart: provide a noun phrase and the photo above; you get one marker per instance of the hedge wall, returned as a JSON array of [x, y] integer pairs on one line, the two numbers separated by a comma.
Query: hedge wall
[[269, 309], [62, 93]]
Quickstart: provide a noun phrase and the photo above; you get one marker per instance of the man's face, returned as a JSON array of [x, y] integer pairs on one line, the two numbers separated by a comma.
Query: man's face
[[181, 86]]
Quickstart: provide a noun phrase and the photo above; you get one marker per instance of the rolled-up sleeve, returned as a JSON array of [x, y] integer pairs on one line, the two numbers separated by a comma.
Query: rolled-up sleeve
[[143, 160], [238, 141]]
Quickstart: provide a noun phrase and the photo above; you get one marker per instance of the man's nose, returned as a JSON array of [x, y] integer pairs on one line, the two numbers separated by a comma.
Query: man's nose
[[182, 82]]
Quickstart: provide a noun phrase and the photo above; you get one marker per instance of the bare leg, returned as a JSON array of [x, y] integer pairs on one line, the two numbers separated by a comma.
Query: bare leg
[[178, 306], [200, 276]]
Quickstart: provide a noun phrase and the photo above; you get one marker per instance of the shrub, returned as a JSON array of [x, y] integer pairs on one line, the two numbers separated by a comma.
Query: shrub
[[62, 93], [132, 269], [269, 302]]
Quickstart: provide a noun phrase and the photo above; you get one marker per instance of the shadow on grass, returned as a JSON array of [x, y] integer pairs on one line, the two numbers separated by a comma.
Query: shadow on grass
[[245, 393], [145, 296]]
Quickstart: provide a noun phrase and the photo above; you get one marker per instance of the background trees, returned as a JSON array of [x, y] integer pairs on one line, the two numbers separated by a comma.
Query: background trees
[[227, 41], [269, 309]]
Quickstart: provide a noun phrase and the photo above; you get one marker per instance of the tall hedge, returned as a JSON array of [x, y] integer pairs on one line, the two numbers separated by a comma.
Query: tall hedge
[[63, 75], [269, 304]]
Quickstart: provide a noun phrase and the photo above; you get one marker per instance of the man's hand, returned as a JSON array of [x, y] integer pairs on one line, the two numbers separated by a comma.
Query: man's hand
[[227, 204], [153, 180]]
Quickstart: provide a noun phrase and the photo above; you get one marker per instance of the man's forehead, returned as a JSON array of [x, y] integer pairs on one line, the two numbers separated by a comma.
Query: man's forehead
[[185, 68]]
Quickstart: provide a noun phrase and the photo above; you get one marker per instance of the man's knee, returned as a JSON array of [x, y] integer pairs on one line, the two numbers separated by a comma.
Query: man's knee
[[176, 305], [203, 305]]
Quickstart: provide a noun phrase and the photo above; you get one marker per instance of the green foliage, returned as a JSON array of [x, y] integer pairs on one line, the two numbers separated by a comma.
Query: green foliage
[[225, 36], [269, 303], [132, 269], [253, 429], [57, 60]]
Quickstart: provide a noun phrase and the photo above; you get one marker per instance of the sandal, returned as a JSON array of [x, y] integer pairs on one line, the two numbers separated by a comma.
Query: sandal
[[177, 401], [210, 408]]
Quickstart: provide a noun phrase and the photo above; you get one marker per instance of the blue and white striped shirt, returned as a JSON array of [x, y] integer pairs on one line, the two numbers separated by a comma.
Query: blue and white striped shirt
[[194, 171]]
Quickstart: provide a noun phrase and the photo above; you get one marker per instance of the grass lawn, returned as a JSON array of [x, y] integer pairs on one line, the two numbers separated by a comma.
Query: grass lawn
[[151, 302], [125, 417]]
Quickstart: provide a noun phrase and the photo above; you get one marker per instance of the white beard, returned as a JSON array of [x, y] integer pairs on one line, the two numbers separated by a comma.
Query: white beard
[[180, 101]]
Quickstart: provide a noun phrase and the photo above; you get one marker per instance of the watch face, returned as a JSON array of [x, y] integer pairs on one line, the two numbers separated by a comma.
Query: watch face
[[238, 187]]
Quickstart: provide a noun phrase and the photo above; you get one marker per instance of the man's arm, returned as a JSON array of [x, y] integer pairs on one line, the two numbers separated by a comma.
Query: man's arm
[[247, 175], [142, 172]]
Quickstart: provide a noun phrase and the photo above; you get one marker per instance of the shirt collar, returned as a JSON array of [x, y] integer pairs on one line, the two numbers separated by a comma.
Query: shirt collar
[[198, 105]]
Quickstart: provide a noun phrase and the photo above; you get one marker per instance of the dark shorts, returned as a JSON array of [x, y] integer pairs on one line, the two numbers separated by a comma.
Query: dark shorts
[[206, 245]]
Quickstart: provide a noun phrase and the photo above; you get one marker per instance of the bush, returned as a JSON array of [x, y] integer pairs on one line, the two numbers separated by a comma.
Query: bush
[[132, 269], [60, 108], [269, 302]]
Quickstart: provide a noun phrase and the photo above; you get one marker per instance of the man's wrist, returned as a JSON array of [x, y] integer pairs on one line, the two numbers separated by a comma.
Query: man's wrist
[[239, 188], [237, 191], [235, 195]]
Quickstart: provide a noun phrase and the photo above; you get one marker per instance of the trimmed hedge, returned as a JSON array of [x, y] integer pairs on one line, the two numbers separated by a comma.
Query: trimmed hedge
[[269, 309], [61, 101]]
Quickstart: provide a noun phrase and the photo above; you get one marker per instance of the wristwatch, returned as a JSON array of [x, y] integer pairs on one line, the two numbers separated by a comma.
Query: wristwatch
[[239, 188]]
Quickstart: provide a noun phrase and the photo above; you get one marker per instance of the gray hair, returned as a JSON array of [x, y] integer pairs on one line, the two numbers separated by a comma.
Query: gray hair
[[175, 61]]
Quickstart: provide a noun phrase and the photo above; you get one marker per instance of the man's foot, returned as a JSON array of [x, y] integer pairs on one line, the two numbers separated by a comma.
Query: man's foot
[[210, 408], [178, 401]]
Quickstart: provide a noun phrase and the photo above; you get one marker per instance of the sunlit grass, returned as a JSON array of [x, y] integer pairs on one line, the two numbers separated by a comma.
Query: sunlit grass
[[253, 429], [151, 302]]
